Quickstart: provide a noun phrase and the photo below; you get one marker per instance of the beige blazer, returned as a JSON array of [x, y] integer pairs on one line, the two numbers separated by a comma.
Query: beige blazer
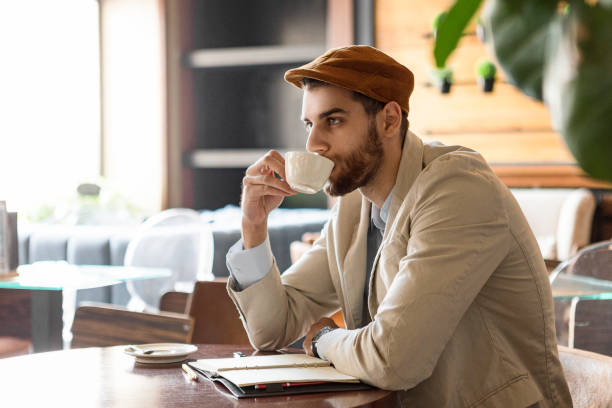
[[461, 307]]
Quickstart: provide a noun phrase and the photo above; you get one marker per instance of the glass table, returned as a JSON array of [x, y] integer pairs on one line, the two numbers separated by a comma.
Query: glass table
[[576, 288], [54, 285], [566, 286]]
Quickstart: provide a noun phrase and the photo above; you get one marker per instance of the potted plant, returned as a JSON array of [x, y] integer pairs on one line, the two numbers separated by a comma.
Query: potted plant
[[558, 55], [443, 78], [486, 70], [436, 22]]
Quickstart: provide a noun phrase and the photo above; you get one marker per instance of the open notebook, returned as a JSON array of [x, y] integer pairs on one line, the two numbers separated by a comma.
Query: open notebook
[[281, 374]]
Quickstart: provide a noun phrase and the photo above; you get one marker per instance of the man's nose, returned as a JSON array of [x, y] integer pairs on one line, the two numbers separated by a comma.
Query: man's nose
[[315, 143]]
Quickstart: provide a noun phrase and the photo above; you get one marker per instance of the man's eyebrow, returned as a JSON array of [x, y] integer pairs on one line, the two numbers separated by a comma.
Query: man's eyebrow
[[328, 113]]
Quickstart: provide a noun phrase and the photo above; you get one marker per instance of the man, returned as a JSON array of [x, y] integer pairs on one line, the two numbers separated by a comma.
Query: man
[[443, 289]]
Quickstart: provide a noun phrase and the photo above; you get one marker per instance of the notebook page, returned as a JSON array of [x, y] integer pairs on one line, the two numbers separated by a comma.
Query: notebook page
[[243, 378], [218, 365]]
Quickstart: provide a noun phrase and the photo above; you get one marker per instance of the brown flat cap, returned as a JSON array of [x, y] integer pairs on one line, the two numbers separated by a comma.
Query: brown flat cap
[[360, 68]]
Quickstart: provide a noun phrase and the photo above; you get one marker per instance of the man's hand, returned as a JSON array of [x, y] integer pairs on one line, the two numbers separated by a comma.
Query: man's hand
[[314, 329], [262, 192]]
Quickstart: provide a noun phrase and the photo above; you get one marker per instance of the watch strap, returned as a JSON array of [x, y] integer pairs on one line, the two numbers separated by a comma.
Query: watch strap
[[316, 337]]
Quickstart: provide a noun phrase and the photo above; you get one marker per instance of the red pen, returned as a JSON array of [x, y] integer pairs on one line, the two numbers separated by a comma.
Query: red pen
[[297, 384]]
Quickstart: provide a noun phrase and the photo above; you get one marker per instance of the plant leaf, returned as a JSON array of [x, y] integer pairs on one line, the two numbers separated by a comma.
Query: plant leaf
[[518, 32], [578, 85], [451, 28]]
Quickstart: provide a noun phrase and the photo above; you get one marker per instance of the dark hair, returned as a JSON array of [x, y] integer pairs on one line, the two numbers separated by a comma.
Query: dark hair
[[370, 105]]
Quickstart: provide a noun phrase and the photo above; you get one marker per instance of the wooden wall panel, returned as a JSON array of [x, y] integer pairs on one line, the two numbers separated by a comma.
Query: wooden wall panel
[[505, 126], [497, 147], [467, 110]]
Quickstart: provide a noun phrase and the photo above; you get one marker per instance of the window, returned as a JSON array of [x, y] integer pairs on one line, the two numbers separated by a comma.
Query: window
[[49, 99]]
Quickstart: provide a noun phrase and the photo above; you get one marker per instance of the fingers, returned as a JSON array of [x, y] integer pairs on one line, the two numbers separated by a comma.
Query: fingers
[[314, 329], [260, 177], [266, 185], [272, 162]]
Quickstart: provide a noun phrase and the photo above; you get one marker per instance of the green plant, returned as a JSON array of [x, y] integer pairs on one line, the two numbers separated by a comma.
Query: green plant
[[556, 54], [437, 19], [485, 69]]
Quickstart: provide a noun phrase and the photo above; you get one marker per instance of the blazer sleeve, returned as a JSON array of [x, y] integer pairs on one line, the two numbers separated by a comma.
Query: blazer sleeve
[[278, 310], [458, 235]]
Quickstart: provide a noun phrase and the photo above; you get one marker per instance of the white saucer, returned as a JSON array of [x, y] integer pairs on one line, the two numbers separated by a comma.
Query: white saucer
[[163, 352]]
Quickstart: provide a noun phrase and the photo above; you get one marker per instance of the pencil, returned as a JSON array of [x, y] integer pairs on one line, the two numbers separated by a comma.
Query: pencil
[[193, 376]]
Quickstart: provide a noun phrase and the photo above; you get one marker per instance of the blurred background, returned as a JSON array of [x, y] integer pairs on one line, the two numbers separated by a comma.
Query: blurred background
[[115, 112], [164, 103]]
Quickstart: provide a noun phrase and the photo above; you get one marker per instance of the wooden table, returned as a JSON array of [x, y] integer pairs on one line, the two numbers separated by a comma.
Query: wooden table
[[106, 377]]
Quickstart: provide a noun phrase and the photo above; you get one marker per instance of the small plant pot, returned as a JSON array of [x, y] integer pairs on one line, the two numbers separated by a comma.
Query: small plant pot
[[486, 84], [445, 86]]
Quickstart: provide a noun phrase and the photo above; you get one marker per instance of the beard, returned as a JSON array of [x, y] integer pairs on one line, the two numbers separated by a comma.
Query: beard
[[359, 167]]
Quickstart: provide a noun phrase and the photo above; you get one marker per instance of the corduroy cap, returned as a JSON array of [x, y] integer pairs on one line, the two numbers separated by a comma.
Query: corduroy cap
[[359, 68]]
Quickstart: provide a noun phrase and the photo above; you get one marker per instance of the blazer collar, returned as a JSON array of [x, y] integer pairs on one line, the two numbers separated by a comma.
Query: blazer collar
[[411, 165]]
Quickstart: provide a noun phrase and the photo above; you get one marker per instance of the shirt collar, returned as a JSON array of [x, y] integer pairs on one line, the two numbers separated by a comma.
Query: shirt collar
[[380, 215]]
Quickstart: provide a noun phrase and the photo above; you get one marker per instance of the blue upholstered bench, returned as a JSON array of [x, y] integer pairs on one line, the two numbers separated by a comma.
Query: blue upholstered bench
[[98, 245]]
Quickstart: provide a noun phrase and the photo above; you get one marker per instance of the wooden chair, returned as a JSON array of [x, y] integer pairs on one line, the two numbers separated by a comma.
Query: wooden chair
[[14, 346], [15, 322], [589, 377], [99, 324], [175, 302], [216, 319], [210, 318]]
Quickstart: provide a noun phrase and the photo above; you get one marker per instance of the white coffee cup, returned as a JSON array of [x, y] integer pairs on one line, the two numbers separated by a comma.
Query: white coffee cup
[[307, 172]]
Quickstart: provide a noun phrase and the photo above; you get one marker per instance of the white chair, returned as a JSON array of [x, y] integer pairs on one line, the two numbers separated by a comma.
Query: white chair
[[176, 239], [560, 218]]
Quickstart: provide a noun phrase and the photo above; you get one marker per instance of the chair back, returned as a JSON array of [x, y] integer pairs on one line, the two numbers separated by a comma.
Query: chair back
[[176, 239], [99, 325], [594, 260], [175, 302], [216, 319], [589, 377]]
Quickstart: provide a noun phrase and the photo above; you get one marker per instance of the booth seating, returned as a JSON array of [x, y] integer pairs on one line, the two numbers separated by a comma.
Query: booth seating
[[99, 245]]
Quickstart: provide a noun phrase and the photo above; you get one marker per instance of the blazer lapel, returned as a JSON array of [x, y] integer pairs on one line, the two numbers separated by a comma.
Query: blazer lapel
[[410, 167], [352, 230]]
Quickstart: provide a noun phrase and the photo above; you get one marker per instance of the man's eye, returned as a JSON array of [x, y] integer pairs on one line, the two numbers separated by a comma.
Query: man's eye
[[308, 126], [333, 121]]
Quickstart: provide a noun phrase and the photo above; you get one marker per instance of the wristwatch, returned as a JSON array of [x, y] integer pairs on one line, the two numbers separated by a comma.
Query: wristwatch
[[316, 337]]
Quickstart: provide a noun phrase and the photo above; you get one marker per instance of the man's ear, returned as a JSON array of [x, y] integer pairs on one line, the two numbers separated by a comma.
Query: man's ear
[[392, 116]]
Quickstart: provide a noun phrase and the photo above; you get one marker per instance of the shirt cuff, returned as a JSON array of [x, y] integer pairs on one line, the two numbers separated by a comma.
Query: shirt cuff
[[323, 342], [249, 266]]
